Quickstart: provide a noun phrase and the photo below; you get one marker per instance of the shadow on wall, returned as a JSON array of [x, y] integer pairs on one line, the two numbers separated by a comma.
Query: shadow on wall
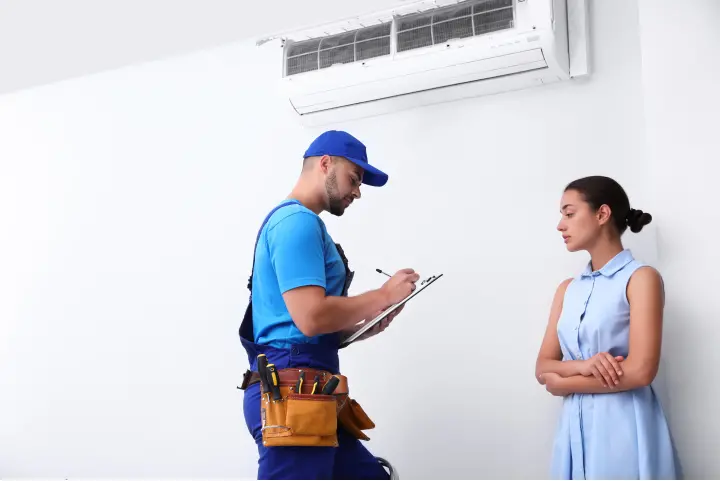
[[675, 338]]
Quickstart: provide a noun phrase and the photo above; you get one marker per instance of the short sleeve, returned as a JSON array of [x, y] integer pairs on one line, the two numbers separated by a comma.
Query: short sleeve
[[297, 251]]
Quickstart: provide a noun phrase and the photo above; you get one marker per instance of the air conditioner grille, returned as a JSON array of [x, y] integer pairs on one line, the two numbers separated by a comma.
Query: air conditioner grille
[[466, 19], [347, 47]]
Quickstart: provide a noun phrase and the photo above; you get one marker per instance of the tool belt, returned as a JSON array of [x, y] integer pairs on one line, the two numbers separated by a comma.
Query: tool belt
[[307, 417]]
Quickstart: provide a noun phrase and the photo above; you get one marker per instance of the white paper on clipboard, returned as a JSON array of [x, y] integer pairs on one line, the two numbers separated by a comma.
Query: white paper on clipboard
[[424, 285]]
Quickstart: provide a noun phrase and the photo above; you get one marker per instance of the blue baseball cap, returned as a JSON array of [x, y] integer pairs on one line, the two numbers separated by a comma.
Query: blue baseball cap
[[341, 144]]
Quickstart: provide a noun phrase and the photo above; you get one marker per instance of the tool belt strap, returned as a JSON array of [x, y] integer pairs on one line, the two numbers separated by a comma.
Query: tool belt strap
[[290, 376]]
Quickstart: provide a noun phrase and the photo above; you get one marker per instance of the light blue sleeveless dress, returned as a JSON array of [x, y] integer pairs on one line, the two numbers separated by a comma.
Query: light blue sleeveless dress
[[621, 435]]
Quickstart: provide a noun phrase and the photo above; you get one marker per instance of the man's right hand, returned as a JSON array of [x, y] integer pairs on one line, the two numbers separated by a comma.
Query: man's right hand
[[399, 286], [315, 313]]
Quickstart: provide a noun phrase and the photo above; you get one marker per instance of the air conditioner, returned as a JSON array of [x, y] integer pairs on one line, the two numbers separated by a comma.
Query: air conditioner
[[428, 52]]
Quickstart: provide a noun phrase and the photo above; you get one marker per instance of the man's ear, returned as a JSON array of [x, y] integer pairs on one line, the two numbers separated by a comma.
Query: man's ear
[[604, 214], [325, 162]]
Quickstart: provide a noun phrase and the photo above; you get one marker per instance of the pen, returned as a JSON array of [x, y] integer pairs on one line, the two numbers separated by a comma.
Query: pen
[[380, 271]]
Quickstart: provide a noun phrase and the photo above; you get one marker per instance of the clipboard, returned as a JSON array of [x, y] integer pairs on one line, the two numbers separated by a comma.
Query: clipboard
[[423, 285]]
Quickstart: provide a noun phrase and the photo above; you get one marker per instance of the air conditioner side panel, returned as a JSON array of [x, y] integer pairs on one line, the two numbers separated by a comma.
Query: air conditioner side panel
[[558, 52]]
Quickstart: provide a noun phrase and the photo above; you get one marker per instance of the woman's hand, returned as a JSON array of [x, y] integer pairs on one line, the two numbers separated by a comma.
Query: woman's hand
[[553, 382], [604, 367]]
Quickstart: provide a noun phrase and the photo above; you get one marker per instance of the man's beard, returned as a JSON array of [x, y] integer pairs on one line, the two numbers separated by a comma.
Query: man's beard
[[335, 201]]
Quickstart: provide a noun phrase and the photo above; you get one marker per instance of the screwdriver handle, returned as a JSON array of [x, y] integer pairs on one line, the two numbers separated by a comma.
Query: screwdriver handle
[[316, 382], [301, 379], [331, 385], [274, 380], [262, 363]]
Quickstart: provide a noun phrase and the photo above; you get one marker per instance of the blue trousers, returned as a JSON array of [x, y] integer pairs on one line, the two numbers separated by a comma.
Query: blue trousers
[[350, 460]]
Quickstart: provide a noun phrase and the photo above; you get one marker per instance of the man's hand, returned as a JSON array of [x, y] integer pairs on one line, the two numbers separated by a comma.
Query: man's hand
[[399, 286], [380, 326], [315, 313]]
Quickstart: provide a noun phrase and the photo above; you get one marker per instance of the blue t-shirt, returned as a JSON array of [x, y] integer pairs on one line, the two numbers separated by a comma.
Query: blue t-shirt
[[294, 249]]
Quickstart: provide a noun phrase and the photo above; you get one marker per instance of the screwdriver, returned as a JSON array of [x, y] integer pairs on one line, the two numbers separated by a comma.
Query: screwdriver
[[331, 385], [316, 381], [262, 363], [274, 381], [298, 386]]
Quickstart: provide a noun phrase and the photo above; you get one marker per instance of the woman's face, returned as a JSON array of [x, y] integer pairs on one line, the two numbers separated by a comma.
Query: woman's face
[[579, 225]]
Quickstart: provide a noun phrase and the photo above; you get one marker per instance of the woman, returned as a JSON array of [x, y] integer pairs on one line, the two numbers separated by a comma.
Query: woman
[[601, 349]]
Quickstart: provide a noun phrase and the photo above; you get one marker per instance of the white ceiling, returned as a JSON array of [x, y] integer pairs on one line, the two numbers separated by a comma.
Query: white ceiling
[[45, 41]]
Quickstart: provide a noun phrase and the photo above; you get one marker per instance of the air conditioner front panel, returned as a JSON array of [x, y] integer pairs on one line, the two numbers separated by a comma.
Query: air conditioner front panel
[[508, 54], [423, 76], [391, 66]]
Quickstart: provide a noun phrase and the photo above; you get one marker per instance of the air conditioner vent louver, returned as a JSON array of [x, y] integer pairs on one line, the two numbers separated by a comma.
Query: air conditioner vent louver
[[459, 21], [347, 47]]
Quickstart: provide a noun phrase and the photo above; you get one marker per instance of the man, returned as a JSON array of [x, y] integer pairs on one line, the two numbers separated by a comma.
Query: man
[[300, 311]]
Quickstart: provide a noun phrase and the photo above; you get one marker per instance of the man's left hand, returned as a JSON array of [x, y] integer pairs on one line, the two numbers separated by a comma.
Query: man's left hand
[[380, 326]]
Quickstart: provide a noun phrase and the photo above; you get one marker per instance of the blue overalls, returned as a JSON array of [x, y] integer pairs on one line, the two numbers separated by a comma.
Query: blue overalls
[[350, 460]]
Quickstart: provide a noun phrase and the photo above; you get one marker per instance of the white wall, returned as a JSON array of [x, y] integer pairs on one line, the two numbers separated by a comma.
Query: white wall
[[130, 202], [681, 73], [55, 34]]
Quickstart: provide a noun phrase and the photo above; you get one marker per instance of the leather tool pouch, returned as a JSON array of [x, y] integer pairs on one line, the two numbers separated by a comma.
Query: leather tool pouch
[[353, 418], [351, 415], [299, 419], [311, 419]]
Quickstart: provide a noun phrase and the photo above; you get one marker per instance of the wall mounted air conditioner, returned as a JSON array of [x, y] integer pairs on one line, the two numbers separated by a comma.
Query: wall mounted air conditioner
[[428, 52]]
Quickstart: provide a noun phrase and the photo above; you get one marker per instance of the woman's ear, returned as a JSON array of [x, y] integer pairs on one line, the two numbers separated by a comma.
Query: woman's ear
[[604, 214]]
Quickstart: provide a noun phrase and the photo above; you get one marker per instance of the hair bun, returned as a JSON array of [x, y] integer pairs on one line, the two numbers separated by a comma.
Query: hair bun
[[637, 219]]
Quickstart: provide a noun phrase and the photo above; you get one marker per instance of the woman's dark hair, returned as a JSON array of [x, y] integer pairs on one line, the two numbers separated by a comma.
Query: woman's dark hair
[[598, 190]]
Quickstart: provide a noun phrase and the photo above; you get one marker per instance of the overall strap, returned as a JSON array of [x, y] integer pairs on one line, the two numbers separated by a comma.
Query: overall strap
[[267, 218]]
